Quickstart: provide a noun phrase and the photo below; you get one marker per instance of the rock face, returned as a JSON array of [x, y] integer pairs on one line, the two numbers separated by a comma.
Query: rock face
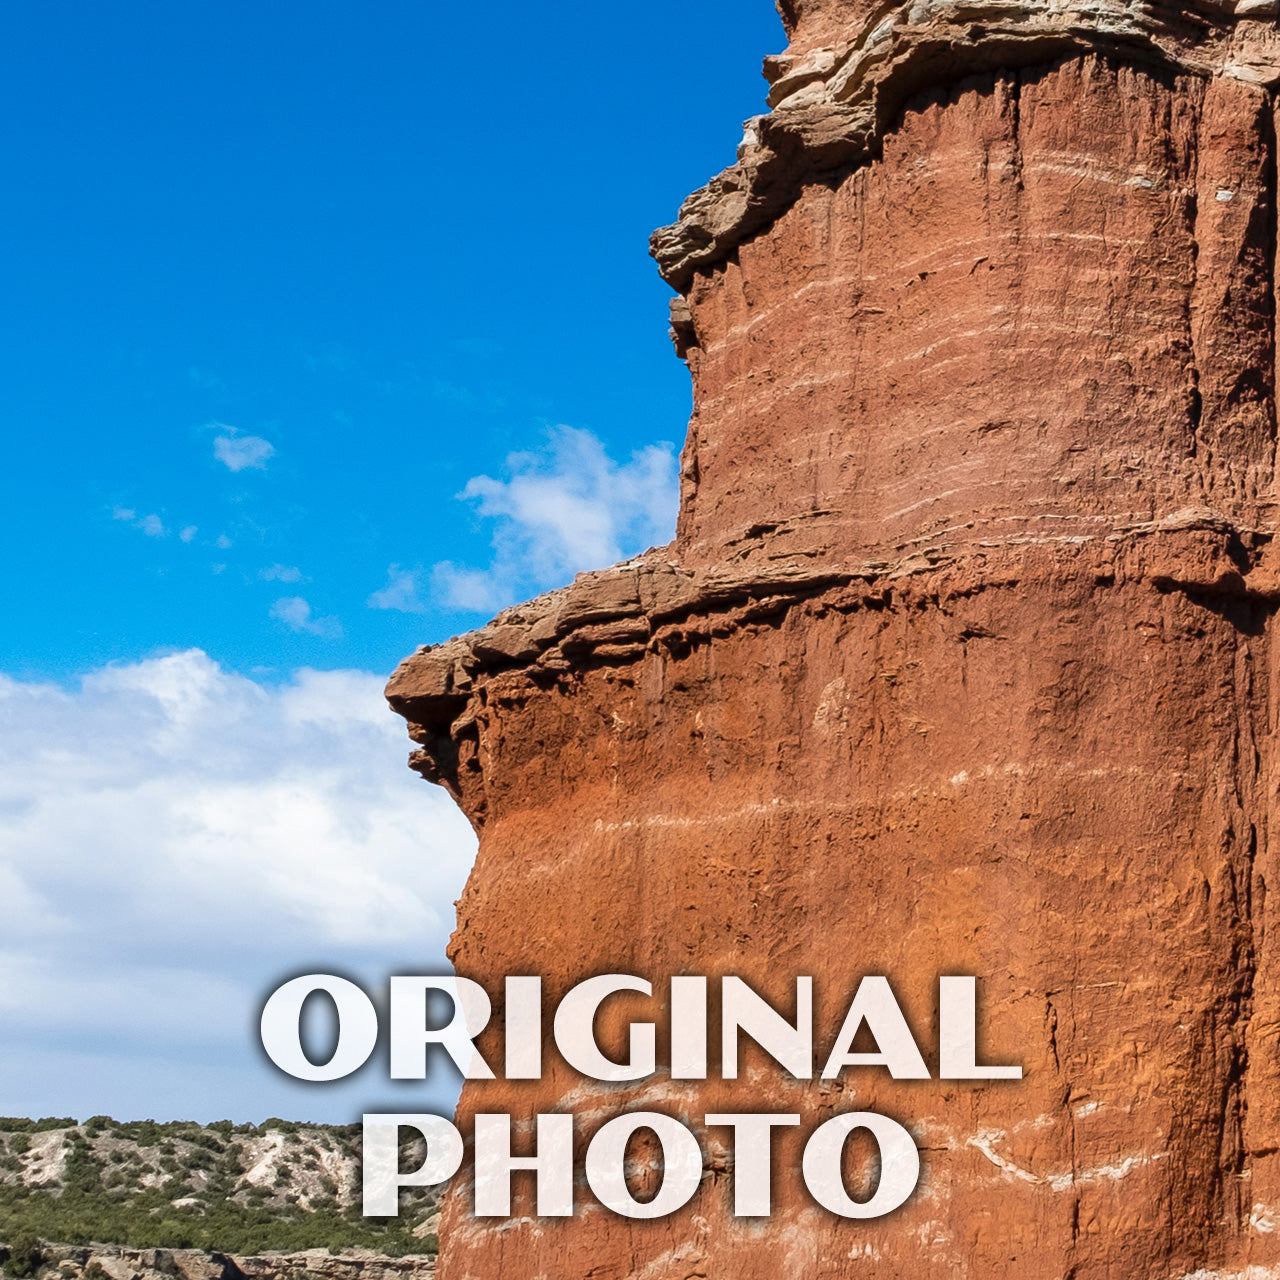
[[961, 661]]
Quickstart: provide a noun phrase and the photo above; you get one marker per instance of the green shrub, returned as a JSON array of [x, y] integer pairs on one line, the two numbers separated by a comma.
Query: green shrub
[[146, 1133], [172, 1234], [25, 1257], [101, 1197]]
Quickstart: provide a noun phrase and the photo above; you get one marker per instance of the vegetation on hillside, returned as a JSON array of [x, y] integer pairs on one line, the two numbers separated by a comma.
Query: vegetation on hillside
[[230, 1188]]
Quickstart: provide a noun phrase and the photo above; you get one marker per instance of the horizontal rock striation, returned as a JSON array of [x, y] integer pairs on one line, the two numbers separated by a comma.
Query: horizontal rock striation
[[653, 607], [1048, 309], [850, 68], [961, 660]]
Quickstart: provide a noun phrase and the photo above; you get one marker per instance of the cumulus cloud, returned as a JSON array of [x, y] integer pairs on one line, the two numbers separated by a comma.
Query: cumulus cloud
[[151, 525], [239, 452], [189, 533], [280, 573], [177, 839], [570, 507], [477, 590], [296, 614], [400, 593]]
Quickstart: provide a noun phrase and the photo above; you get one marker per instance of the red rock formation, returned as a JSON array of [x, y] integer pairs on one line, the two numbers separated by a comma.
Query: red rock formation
[[961, 660]]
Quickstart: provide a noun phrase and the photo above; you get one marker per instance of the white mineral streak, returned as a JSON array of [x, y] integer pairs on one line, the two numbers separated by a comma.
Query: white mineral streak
[[1249, 1273], [986, 1140], [1263, 1220]]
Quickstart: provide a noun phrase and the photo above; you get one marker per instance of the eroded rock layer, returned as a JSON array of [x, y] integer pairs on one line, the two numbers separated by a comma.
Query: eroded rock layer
[[961, 661]]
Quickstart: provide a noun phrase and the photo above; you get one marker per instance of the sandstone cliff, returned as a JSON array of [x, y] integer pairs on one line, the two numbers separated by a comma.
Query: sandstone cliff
[[960, 662]]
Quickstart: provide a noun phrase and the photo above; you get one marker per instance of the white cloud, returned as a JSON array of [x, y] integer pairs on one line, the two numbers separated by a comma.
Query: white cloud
[[569, 508], [476, 590], [176, 839], [151, 525], [238, 452], [400, 593], [188, 534], [296, 614], [280, 573]]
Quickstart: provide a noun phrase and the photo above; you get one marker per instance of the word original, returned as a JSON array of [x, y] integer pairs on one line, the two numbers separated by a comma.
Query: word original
[[414, 1037]]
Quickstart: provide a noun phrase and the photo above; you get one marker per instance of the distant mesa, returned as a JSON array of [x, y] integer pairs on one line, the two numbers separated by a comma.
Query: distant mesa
[[139, 1200]]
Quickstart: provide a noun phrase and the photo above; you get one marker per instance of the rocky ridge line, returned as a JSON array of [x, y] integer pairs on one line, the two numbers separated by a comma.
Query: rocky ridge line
[[832, 106], [104, 1262], [240, 1189], [653, 604]]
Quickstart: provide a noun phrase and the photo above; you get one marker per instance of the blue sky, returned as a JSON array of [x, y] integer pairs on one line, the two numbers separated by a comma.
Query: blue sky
[[329, 329], [397, 241]]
